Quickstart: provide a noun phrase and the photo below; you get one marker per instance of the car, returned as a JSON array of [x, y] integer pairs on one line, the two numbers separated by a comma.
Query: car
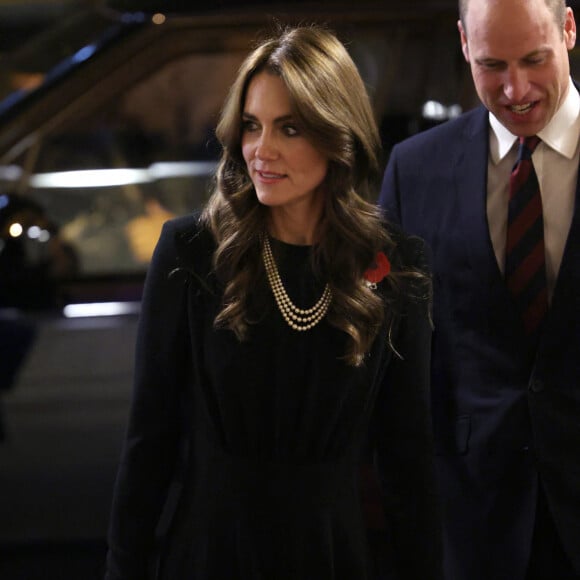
[[106, 131]]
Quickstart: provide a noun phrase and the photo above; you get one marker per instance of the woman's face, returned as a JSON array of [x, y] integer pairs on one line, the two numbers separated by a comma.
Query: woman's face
[[286, 169]]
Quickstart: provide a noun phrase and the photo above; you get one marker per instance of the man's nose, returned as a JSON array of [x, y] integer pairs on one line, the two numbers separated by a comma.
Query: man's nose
[[516, 85]]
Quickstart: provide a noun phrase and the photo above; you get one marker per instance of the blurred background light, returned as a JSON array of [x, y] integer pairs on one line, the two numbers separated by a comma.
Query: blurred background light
[[15, 230], [100, 309]]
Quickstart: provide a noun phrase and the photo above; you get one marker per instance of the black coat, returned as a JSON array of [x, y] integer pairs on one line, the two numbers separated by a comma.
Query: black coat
[[257, 443]]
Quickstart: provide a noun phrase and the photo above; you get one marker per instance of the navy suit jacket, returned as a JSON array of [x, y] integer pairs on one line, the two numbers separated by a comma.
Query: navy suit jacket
[[506, 416]]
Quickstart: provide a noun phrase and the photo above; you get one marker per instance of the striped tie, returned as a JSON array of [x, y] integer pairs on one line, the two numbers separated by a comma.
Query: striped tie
[[525, 270]]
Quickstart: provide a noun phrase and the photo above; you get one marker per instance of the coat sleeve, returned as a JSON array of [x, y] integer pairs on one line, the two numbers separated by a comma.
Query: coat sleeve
[[403, 440], [150, 450]]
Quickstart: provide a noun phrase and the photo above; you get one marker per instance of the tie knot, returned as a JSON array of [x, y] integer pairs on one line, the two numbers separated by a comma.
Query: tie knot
[[527, 146]]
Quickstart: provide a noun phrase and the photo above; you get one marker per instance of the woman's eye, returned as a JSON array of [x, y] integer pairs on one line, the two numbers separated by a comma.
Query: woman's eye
[[249, 126], [290, 130]]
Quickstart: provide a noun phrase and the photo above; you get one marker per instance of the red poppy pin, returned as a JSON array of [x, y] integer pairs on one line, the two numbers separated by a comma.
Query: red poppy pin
[[378, 271]]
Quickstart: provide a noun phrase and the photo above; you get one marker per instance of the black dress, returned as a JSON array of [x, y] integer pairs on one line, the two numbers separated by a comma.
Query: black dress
[[244, 455]]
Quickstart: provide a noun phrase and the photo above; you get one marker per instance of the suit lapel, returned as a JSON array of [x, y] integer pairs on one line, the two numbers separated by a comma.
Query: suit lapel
[[566, 299], [566, 289], [566, 293], [471, 187], [471, 191]]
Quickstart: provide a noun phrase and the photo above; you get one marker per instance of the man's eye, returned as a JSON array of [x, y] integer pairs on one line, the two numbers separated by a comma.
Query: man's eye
[[492, 65], [535, 61]]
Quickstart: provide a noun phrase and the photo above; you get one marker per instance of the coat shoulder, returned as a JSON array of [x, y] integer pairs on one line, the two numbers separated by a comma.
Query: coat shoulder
[[192, 241], [184, 252]]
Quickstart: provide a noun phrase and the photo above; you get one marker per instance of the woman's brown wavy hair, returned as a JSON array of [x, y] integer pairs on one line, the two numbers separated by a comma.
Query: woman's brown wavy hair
[[331, 105]]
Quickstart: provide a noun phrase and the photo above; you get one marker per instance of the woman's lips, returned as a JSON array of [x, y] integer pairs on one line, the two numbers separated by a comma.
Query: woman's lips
[[269, 176]]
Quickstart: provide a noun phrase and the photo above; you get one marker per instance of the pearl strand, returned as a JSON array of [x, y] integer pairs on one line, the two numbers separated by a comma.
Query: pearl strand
[[295, 317]]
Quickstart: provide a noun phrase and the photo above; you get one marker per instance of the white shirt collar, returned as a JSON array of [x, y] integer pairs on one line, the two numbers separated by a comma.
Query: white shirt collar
[[561, 133]]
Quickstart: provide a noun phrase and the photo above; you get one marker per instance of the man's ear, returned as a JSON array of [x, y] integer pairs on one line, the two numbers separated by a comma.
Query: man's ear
[[570, 29], [463, 40]]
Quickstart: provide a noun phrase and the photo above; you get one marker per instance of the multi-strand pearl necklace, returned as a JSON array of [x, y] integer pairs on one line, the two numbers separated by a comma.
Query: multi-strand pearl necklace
[[297, 318]]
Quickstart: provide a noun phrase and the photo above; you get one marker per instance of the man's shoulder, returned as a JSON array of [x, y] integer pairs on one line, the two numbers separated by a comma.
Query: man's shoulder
[[440, 136]]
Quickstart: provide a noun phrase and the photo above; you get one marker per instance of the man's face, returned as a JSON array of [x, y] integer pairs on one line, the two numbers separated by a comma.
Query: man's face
[[519, 60]]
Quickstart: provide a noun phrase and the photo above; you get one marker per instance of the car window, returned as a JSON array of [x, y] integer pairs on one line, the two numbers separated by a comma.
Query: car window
[[109, 180]]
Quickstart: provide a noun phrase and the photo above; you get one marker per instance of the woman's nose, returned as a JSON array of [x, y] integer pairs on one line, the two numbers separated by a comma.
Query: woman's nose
[[266, 147]]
